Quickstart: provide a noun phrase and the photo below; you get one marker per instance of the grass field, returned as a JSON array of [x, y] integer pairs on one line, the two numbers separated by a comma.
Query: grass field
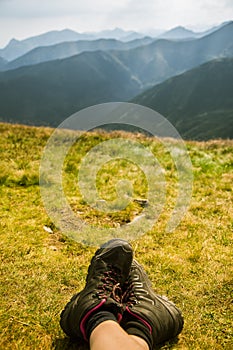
[[40, 271]]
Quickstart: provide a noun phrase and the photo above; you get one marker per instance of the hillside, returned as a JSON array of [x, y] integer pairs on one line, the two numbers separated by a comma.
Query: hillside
[[3, 63], [199, 102], [47, 93], [41, 270]]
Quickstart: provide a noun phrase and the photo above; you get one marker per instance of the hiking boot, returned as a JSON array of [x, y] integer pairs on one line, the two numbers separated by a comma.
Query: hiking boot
[[148, 315], [108, 271]]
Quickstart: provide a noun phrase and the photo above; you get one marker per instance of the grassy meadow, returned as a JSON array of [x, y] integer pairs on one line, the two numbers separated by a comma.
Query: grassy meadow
[[41, 270]]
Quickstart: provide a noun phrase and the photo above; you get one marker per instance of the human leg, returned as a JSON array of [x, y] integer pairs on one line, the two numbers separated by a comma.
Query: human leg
[[110, 335]]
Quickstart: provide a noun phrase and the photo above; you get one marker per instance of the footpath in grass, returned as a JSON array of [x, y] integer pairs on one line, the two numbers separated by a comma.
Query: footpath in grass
[[40, 271]]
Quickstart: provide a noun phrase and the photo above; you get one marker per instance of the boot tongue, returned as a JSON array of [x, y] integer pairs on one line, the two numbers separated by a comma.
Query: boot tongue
[[97, 271]]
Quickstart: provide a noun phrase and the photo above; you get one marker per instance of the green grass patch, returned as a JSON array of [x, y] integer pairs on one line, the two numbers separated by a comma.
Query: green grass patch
[[40, 271]]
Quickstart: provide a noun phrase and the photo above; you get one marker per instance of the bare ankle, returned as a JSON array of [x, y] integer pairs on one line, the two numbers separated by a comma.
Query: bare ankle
[[141, 342]]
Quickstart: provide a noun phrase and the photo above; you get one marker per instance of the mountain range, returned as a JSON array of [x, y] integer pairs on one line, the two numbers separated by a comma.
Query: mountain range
[[162, 59], [49, 83], [17, 48], [68, 49], [150, 61], [179, 33]]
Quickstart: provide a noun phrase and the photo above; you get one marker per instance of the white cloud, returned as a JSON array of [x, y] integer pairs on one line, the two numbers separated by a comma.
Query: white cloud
[[23, 18], [169, 13], [54, 8]]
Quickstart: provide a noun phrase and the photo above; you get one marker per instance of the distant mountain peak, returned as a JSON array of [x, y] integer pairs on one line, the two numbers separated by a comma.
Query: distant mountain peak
[[65, 30], [180, 28], [13, 41], [178, 32]]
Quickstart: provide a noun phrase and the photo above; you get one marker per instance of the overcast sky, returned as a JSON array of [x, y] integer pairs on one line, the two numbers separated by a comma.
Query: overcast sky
[[24, 18]]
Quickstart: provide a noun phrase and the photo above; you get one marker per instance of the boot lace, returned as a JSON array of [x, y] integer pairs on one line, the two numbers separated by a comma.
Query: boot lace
[[109, 286], [129, 295]]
